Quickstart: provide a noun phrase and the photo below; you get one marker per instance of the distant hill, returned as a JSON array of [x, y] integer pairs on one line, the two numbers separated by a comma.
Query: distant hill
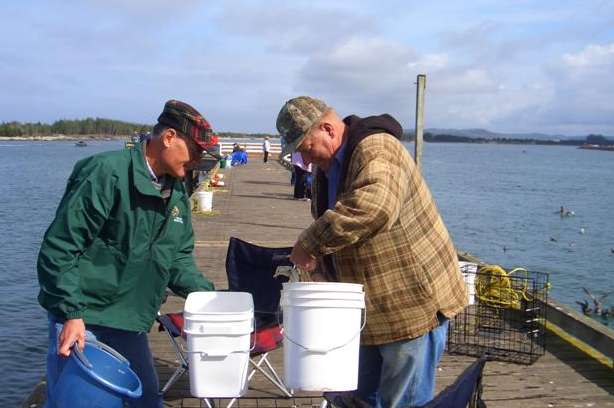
[[487, 134]]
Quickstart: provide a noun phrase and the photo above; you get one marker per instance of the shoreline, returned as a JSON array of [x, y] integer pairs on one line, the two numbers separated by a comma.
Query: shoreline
[[608, 148], [53, 138]]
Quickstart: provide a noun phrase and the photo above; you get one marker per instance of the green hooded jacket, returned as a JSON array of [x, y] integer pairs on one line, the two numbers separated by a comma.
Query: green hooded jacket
[[115, 246]]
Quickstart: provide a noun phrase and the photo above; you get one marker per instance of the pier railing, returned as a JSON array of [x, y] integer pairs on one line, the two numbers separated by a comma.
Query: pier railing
[[249, 147]]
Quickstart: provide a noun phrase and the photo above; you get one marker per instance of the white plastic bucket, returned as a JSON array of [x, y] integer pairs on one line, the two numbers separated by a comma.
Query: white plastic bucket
[[228, 164], [218, 327], [322, 325], [205, 200], [469, 270]]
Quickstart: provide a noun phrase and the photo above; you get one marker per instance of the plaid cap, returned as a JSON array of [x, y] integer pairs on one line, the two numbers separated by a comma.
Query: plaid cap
[[295, 119], [186, 120]]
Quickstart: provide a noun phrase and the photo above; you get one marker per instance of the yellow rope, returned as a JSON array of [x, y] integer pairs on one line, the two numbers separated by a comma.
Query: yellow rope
[[496, 287]]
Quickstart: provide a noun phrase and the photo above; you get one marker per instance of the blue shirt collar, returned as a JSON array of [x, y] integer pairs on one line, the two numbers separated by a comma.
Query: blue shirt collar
[[337, 160]]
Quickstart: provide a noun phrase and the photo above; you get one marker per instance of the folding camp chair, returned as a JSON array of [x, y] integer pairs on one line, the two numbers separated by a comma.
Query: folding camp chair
[[172, 325], [249, 268], [264, 340], [465, 391]]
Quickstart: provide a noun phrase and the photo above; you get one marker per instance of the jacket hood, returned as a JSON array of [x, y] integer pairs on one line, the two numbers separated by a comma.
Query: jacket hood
[[358, 129], [361, 127]]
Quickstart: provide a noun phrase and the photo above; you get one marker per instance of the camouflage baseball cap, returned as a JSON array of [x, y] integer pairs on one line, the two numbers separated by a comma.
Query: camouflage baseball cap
[[186, 120], [295, 119]]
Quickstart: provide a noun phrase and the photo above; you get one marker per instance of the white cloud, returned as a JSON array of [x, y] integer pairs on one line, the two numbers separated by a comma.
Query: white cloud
[[473, 81], [361, 75], [593, 55], [504, 65], [430, 62]]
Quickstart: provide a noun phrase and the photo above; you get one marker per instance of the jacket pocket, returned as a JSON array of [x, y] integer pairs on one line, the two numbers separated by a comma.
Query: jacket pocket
[[100, 270]]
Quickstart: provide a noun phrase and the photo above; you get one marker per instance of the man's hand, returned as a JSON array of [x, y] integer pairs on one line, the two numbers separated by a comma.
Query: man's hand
[[317, 277], [300, 258], [73, 331]]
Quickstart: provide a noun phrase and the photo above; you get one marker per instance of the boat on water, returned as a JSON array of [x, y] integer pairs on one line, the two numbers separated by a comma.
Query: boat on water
[[81, 143]]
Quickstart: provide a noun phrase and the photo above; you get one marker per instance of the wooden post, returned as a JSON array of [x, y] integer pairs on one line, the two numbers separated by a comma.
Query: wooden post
[[421, 84]]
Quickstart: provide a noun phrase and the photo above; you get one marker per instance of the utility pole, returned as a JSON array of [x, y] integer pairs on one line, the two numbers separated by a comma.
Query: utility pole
[[421, 84]]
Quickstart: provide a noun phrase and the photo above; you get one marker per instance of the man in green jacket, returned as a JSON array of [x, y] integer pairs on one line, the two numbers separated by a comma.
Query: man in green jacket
[[376, 224], [122, 234]]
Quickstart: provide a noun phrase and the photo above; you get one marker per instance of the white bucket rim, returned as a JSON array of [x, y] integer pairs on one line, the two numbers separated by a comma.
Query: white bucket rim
[[324, 304], [305, 294], [322, 287], [242, 315]]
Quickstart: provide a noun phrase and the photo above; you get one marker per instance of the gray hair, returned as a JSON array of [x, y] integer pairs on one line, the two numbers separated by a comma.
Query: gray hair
[[158, 129]]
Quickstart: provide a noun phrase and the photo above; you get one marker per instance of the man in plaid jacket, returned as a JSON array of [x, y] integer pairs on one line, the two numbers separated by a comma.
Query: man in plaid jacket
[[376, 224]]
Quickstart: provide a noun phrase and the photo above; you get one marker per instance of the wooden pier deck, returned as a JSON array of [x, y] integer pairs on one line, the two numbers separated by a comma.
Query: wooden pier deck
[[256, 205]]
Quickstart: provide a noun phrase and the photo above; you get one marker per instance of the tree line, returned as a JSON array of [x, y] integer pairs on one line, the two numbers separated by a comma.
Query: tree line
[[88, 126], [111, 127], [590, 139], [92, 127]]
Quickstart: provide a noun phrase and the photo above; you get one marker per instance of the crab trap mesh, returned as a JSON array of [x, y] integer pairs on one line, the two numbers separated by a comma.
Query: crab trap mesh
[[506, 315]]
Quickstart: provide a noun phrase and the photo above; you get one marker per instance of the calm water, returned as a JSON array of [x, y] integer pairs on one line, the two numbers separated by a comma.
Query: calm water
[[491, 197]]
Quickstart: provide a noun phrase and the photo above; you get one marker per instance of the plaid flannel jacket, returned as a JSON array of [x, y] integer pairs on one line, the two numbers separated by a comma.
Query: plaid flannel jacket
[[385, 232]]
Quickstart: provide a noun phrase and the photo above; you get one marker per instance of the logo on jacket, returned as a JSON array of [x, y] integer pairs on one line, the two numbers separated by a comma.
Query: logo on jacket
[[175, 214]]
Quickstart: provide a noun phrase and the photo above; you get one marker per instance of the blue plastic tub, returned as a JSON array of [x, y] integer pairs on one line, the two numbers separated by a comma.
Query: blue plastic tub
[[96, 377]]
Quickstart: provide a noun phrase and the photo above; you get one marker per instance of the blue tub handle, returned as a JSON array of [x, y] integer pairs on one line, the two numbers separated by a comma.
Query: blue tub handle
[[81, 356]]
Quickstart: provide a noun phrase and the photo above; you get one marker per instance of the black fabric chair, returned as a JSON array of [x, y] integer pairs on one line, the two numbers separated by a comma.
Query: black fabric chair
[[466, 391], [251, 268]]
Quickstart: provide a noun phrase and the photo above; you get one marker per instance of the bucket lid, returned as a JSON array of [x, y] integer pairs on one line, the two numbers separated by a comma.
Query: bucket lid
[[222, 304], [108, 368]]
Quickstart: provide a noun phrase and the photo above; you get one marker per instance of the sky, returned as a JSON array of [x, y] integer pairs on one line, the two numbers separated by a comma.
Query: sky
[[510, 66]]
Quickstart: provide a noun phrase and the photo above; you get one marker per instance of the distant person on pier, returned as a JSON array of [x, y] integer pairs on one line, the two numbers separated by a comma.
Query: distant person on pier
[[122, 234], [377, 224], [266, 148]]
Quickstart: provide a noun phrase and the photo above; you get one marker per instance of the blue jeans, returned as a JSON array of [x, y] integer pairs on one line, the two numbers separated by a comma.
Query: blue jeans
[[132, 345], [401, 374]]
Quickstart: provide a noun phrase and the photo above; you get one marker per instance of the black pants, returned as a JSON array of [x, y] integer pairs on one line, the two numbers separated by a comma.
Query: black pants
[[266, 157], [299, 182]]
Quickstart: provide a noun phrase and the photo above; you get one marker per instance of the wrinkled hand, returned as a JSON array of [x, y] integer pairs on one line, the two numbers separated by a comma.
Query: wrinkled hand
[[73, 331], [317, 277], [301, 259]]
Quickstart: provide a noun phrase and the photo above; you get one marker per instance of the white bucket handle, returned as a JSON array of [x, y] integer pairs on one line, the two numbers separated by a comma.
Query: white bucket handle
[[328, 350], [225, 353], [214, 353], [220, 353]]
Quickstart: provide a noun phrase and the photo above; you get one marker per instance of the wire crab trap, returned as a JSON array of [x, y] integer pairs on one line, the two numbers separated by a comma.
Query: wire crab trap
[[506, 315]]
